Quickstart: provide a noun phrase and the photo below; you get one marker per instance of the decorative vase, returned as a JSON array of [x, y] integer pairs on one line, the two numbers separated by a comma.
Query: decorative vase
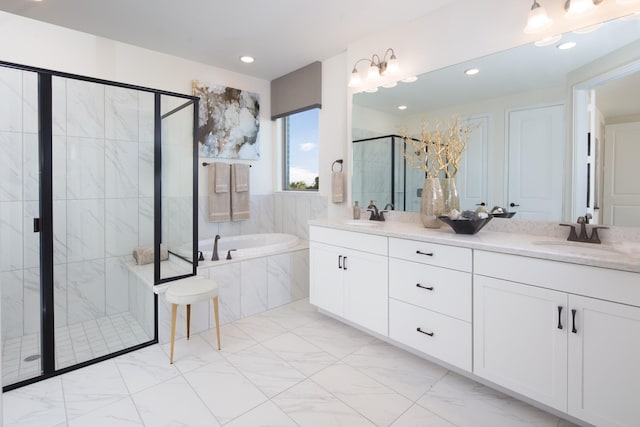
[[450, 194], [431, 203]]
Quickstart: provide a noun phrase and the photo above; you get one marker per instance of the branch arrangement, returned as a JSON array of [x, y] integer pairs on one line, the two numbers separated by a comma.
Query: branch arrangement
[[439, 150]]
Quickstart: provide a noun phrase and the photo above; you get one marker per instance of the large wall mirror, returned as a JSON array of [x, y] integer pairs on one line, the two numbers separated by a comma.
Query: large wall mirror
[[556, 131]]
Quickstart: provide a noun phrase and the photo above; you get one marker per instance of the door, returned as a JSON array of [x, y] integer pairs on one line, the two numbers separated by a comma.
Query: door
[[604, 350], [471, 178], [326, 277], [520, 339], [621, 196], [366, 277], [536, 159]]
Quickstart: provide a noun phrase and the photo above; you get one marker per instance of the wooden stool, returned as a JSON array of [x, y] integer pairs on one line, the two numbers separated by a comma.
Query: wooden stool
[[189, 291]]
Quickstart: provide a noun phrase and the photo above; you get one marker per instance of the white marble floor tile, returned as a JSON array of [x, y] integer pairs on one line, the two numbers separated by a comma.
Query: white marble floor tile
[[122, 413], [334, 337], [173, 403], [232, 339], [191, 354], [145, 368], [265, 415], [294, 315], [370, 398], [260, 327], [38, 405], [301, 354], [311, 406], [268, 372], [467, 403], [82, 396], [417, 416], [225, 391], [399, 370]]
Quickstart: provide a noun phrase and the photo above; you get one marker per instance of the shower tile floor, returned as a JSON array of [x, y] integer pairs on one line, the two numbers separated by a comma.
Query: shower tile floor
[[290, 366], [74, 344]]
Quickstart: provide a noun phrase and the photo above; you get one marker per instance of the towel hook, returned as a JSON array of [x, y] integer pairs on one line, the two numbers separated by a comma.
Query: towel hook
[[339, 161]]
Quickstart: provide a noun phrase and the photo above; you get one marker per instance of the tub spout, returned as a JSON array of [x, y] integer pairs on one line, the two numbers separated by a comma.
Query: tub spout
[[214, 253]]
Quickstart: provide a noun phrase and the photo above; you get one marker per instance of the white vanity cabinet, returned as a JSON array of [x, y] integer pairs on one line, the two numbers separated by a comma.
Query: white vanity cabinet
[[430, 299], [563, 334], [349, 276]]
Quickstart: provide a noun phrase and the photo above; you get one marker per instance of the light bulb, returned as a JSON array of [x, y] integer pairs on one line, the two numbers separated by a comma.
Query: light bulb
[[393, 65], [538, 19], [373, 73], [355, 80], [578, 8]]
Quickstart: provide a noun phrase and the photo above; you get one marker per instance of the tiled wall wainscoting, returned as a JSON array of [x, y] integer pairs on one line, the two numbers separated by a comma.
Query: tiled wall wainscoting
[[245, 288]]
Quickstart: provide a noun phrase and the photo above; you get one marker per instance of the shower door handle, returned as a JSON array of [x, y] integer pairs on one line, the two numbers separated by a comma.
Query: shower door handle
[[36, 225]]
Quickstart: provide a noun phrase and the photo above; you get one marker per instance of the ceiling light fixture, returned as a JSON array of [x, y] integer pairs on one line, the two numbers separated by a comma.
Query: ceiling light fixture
[[579, 8], [247, 59], [377, 67], [471, 71], [566, 45], [402, 107], [538, 20]]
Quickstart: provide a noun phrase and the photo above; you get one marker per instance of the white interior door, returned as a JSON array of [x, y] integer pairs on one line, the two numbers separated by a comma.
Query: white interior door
[[621, 193], [536, 162], [471, 178]]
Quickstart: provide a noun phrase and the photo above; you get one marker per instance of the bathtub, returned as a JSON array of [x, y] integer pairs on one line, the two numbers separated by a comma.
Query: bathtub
[[249, 245]]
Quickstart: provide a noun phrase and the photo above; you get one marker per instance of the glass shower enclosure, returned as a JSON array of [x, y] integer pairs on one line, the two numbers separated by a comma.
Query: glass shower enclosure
[[89, 171]]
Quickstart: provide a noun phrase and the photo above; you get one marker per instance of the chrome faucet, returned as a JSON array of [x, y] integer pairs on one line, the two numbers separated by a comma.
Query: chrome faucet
[[214, 253], [376, 215], [583, 236]]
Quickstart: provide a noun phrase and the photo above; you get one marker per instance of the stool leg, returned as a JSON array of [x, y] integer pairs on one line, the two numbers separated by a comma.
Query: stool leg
[[188, 320], [215, 312], [174, 312]]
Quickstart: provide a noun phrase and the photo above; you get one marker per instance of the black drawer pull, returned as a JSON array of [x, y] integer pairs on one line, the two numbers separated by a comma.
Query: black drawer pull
[[340, 262], [344, 263], [424, 253], [573, 315], [559, 317], [429, 288], [423, 332]]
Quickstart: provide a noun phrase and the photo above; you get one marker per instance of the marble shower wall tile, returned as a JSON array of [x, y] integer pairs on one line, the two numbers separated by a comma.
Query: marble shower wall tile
[[85, 109], [11, 223], [60, 294], [31, 289], [11, 96], [145, 169], [117, 286], [85, 168], [121, 169], [303, 214], [86, 290], [121, 113], [145, 221], [59, 105], [146, 102], [253, 286], [85, 240], [292, 212], [12, 303], [121, 230], [252, 225], [30, 167], [59, 168], [10, 166], [29, 102]]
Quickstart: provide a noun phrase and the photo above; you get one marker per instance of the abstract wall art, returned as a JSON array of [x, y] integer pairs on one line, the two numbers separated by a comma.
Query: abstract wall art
[[229, 122]]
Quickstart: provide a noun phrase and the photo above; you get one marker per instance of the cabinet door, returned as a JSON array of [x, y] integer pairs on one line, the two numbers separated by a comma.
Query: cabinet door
[[366, 283], [326, 284], [518, 340], [604, 362]]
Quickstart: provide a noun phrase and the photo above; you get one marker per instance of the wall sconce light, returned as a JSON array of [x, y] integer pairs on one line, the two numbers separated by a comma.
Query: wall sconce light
[[579, 8], [538, 20], [377, 67]]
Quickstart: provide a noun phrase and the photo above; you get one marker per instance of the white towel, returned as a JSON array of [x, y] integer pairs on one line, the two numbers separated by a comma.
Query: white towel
[[219, 200], [337, 187], [239, 192]]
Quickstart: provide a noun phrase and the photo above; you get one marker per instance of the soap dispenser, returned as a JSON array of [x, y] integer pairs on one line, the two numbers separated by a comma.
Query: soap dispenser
[[356, 210]]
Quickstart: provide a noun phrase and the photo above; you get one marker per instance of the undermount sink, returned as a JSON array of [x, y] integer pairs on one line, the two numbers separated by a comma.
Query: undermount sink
[[362, 223], [580, 248]]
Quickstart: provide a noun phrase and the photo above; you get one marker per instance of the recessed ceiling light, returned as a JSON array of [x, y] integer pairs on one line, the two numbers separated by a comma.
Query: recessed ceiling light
[[471, 71], [402, 107], [390, 85], [548, 40], [566, 45], [410, 79], [247, 59]]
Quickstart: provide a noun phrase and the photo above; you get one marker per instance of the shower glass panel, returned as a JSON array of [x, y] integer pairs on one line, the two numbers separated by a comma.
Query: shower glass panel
[[19, 244], [177, 213], [103, 176]]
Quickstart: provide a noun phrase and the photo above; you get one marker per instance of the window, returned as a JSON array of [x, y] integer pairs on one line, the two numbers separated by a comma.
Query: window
[[300, 138]]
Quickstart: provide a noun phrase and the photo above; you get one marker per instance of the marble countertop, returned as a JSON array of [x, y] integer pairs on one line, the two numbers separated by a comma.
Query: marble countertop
[[619, 255]]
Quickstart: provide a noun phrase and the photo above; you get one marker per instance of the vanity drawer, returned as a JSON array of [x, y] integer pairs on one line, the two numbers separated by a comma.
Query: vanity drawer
[[431, 253], [349, 239], [451, 339], [435, 288]]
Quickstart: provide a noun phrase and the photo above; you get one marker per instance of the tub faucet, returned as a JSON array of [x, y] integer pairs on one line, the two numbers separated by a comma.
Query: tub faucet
[[214, 254]]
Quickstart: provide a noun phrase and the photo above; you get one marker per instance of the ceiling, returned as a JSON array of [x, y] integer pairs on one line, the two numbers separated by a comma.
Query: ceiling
[[282, 35], [523, 69]]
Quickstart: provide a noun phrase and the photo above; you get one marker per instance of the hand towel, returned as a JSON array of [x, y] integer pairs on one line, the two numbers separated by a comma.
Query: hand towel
[[337, 187], [219, 198], [239, 192], [144, 254]]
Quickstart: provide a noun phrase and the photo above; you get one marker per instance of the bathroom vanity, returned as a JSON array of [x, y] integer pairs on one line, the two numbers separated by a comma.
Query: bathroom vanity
[[554, 321]]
